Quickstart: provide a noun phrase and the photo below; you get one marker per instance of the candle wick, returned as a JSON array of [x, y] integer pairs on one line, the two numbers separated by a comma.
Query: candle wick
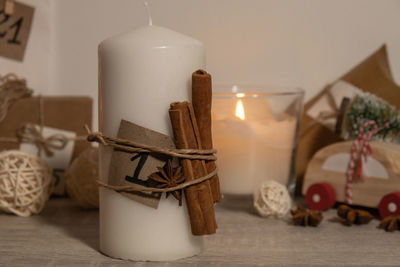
[[148, 13]]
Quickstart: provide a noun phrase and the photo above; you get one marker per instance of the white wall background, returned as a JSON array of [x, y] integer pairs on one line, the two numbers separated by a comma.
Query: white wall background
[[307, 43]]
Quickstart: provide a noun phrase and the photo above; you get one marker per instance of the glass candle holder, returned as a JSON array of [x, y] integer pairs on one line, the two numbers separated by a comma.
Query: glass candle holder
[[255, 130]]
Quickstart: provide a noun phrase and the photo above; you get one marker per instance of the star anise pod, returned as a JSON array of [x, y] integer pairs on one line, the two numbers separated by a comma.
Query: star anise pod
[[168, 176], [353, 216], [304, 217], [390, 223]]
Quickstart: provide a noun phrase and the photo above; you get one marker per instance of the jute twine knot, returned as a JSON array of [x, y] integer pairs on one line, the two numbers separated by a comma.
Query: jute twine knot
[[11, 89], [30, 133], [25, 183]]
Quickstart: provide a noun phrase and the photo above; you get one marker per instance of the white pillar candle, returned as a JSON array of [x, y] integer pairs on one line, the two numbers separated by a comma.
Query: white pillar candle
[[140, 74], [254, 143]]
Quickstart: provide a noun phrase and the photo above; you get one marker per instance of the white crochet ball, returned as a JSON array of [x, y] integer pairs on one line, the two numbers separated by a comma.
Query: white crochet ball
[[272, 199], [26, 182]]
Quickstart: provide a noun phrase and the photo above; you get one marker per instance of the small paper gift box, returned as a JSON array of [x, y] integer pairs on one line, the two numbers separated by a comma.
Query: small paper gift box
[[47, 122], [373, 75]]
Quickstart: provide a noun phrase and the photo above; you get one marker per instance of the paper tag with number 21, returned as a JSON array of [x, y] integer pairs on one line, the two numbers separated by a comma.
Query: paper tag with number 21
[[14, 29]]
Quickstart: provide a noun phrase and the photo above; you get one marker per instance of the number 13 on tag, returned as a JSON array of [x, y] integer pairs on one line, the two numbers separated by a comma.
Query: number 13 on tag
[[14, 29]]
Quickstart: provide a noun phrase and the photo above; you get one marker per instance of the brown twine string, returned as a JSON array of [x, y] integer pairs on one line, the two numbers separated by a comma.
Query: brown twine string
[[30, 133], [137, 188], [133, 147], [12, 89]]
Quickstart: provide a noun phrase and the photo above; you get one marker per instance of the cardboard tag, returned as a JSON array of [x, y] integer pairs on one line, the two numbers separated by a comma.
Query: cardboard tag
[[15, 26], [9, 7], [127, 168]]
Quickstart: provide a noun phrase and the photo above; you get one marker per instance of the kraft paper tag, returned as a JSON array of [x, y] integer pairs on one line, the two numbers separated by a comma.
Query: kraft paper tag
[[9, 7], [15, 26], [127, 168]]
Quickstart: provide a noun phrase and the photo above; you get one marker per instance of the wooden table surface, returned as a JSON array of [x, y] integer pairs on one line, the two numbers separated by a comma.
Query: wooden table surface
[[65, 235]]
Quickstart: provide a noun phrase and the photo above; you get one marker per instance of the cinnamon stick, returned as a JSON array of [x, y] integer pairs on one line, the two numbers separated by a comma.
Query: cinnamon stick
[[201, 99], [198, 197]]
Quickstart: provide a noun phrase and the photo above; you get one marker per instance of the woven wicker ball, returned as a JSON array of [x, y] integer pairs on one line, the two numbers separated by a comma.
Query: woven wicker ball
[[272, 199], [26, 182], [81, 179]]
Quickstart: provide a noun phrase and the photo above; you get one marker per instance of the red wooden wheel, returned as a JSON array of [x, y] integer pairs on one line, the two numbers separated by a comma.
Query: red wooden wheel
[[390, 205], [320, 196]]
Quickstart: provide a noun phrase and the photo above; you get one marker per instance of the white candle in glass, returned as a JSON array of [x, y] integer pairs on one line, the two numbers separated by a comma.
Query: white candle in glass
[[253, 143], [140, 74]]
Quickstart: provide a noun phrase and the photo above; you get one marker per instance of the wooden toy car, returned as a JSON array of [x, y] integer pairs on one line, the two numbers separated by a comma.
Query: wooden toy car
[[379, 187]]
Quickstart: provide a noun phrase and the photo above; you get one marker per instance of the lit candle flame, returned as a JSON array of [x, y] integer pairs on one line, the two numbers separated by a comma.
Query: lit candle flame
[[240, 110]]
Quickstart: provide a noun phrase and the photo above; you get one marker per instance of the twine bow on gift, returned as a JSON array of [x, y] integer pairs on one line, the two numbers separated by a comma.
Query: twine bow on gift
[[30, 133], [360, 150]]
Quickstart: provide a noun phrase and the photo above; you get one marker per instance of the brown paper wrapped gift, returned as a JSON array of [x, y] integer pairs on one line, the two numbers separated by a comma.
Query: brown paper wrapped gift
[[372, 75], [64, 113]]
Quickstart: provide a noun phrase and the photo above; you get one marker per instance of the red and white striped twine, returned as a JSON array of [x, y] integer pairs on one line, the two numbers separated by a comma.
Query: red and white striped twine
[[360, 149]]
